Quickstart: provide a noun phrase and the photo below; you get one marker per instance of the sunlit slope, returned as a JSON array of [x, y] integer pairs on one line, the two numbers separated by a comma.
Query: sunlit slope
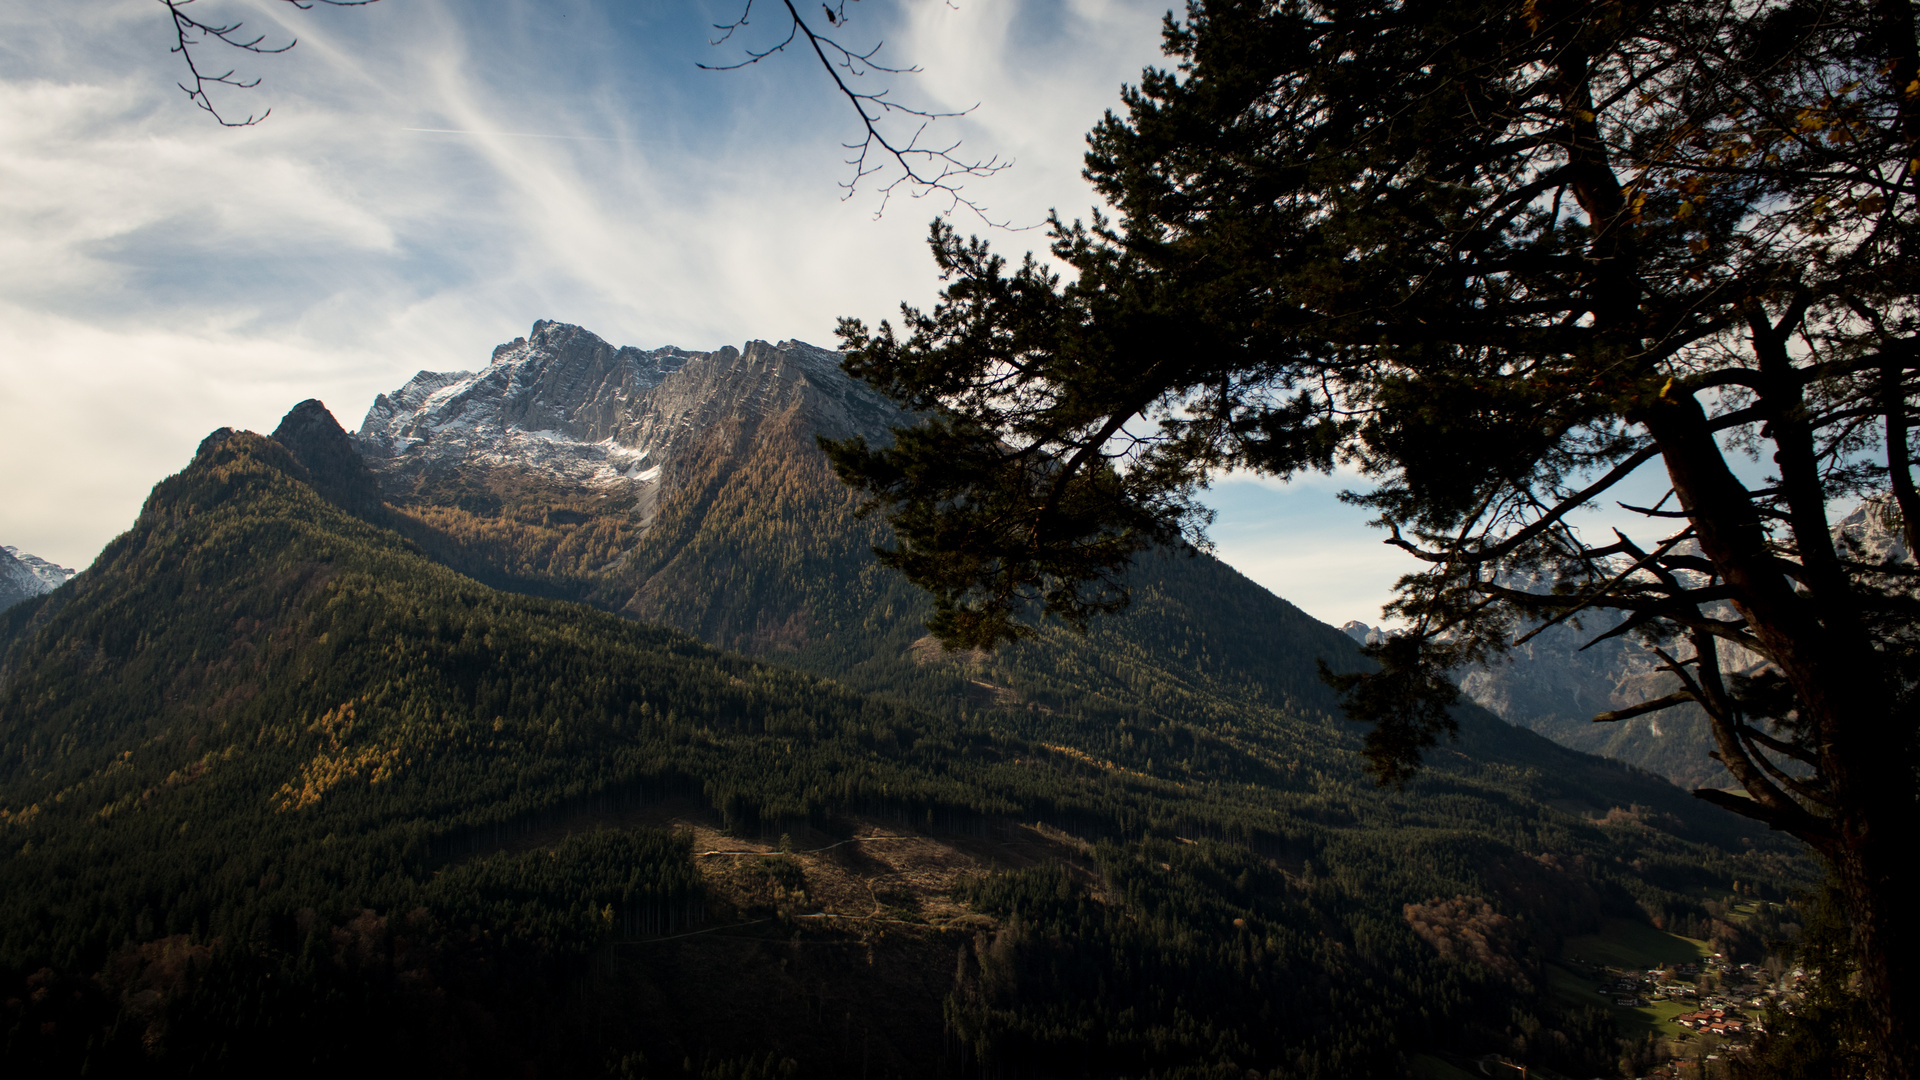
[[1206, 677]]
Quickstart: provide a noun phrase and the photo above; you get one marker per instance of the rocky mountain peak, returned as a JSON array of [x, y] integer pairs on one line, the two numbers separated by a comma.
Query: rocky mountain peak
[[318, 442], [1871, 533], [566, 403], [1362, 633], [24, 576]]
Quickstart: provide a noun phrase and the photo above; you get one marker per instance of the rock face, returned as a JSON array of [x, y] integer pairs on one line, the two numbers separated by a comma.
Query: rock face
[[564, 403], [1555, 684], [1362, 633], [24, 576], [1869, 534], [316, 440]]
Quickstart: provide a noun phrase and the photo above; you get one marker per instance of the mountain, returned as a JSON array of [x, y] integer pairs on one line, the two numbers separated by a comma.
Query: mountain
[[563, 403], [262, 758], [23, 576], [1869, 533], [285, 778], [1555, 683], [565, 407], [743, 538], [277, 786], [684, 489]]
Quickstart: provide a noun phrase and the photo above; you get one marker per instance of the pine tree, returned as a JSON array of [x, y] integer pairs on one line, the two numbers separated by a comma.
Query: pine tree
[[1498, 256]]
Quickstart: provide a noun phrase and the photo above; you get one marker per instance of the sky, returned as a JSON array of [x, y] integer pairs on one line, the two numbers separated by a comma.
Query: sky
[[438, 174]]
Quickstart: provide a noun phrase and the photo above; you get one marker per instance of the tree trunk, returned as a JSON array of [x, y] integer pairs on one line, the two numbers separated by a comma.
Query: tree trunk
[[1820, 645], [1873, 862]]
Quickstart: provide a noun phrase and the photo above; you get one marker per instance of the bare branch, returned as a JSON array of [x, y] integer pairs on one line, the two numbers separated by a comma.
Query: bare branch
[[924, 169], [1796, 821], [190, 32], [1609, 586], [1678, 697], [1542, 524], [1798, 753]]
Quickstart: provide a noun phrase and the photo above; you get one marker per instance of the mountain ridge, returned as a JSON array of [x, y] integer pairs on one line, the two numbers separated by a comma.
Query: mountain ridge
[[270, 749], [747, 467], [563, 402], [1564, 675]]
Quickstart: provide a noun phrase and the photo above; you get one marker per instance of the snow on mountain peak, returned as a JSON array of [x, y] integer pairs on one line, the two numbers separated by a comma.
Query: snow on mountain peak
[[24, 576], [564, 402]]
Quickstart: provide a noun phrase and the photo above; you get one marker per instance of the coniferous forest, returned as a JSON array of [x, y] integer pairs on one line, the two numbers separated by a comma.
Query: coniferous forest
[[779, 711], [278, 787]]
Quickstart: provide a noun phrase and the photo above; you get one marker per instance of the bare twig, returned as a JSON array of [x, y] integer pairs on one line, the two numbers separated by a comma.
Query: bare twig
[[190, 32], [1668, 545], [923, 169]]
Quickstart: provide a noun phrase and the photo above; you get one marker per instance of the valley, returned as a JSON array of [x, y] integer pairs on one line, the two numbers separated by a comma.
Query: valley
[[559, 721]]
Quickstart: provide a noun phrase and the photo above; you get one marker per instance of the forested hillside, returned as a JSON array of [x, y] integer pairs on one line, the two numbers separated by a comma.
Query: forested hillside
[[761, 550], [277, 787], [736, 531]]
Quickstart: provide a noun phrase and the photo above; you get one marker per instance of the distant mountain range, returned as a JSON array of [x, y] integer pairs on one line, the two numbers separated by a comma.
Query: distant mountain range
[[559, 721], [1557, 682], [1555, 685], [23, 576]]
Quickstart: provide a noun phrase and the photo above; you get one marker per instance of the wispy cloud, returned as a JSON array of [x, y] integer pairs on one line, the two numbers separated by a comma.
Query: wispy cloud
[[513, 134], [436, 175]]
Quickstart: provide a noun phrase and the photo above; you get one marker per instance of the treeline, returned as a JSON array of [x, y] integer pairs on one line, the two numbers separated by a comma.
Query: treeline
[[1201, 960]]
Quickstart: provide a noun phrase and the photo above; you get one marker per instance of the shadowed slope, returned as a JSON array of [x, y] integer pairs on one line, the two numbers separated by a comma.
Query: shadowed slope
[[261, 742]]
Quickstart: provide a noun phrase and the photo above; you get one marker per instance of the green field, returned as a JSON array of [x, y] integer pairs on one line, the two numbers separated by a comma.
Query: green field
[[1625, 944], [1655, 1018], [1629, 946]]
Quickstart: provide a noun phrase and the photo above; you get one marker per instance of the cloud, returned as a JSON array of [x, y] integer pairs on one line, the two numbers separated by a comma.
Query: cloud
[[96, 194], [1036, 78], [164, 276], [94, 416]]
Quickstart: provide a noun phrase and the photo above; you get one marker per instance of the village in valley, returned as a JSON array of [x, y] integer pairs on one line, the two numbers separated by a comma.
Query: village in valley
[[1689, 1007], [1694, 1007]]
